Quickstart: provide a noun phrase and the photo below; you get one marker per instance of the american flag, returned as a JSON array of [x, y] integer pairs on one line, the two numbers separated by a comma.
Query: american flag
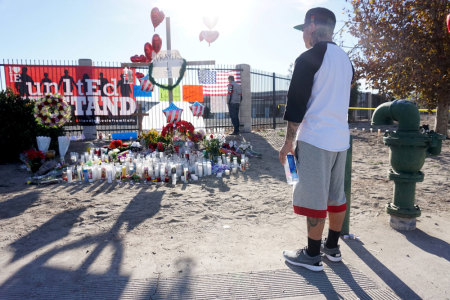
[[215, 82]]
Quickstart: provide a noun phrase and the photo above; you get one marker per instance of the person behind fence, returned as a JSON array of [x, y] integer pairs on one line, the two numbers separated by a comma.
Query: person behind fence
[[316, 111], [234, 100]]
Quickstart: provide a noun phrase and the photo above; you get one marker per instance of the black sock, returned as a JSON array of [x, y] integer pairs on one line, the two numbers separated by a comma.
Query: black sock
[[333, 238], [313, 247]]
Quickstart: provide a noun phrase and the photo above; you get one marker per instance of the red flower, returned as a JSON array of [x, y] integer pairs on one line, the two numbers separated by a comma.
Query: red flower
[[160, 146], [34, 154], [211, 136], [115, 144]]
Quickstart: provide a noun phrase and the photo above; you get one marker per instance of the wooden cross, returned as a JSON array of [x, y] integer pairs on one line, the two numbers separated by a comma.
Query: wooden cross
[[140, 116]]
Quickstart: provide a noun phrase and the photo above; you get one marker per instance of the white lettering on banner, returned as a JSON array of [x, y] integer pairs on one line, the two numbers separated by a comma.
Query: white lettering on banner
[[79, 84], [111, 105], [48, 85], [80, 101], [90, 107], [92, 87], [123, 106], [30, 88], [68, 90], [113, 86]]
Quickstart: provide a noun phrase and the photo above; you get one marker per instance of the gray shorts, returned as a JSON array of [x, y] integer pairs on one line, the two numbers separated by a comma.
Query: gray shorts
[[321, 181]]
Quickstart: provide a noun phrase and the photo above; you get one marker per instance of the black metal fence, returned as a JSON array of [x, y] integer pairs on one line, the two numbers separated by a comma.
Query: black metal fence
[[269, 92], [50, 75]]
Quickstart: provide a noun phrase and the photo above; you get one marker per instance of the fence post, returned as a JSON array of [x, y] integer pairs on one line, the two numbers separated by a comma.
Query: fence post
[[348, 188], [89, 131], [274, 102], [245, 111]]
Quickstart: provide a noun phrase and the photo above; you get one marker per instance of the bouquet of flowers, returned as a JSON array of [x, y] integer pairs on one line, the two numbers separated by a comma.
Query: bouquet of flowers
[[197, 136], [213, 145], [150, 139], [182, 129], [175, 134], [33, 159]]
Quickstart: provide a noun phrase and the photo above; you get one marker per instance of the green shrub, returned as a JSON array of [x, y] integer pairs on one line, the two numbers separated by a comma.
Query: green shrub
[[17, 125], [18, 128]]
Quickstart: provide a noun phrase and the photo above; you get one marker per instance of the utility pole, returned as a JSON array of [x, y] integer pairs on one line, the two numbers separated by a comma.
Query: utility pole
[[169, 47]]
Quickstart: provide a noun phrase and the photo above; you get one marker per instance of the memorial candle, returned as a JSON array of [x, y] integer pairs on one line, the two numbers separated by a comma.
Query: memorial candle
[[185, 173], [199, 169], [124, 171], [80, 177], [69, 175], [209, 167], [174, 179], [109, 174]]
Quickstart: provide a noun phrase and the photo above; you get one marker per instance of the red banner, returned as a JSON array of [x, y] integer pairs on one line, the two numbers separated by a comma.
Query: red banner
[[92, 91]]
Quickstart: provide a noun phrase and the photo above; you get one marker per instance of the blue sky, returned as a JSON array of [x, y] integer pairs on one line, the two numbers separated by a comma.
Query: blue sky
[[255, 32]]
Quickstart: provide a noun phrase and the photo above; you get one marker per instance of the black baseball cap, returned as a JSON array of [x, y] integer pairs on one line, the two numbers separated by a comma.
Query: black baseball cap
[[318, 15]]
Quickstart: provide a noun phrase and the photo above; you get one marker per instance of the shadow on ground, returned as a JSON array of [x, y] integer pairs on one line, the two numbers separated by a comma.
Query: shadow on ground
[[428, 243], [39, 279], [17, 205], [395, 283]]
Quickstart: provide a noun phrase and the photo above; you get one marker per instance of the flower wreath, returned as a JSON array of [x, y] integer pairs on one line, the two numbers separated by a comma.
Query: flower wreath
[[167, 87], [52, 111]]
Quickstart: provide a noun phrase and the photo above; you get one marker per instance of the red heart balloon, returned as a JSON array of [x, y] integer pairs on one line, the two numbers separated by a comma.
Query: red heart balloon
[[134, 58], [210, 36], [139, 75], [142, 58], [148, 51], [157, 43], [157, 16]]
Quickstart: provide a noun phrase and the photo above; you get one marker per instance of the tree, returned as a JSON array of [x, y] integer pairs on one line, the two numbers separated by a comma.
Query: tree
[[404, 50]]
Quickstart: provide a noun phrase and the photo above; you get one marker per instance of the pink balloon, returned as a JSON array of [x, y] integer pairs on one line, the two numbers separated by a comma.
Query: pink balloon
[[210, 36]]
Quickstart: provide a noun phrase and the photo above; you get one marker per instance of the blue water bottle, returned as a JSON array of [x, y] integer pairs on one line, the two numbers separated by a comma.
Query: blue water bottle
[[290, 169]]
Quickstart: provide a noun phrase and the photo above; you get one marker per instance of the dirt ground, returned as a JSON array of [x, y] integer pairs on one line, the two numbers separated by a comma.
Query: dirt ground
[[237, 223]]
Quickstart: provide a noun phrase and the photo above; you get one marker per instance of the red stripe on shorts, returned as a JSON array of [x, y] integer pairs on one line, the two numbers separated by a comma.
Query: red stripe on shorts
[[339, 208], [313, 213]]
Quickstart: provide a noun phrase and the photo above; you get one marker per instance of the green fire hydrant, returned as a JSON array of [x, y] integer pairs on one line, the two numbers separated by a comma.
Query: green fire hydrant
[[408, 149]]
